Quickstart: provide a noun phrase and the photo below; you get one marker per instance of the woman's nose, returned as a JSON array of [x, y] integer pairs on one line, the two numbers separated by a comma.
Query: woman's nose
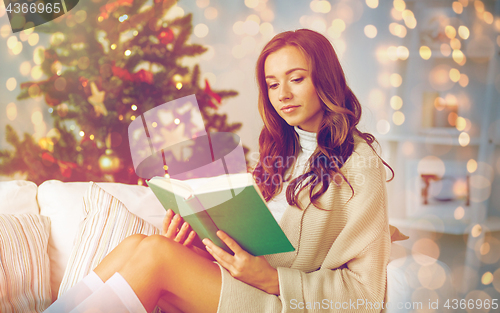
[[285, 93]]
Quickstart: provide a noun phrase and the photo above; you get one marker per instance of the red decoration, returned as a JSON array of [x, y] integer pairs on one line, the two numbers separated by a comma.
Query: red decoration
[[65, 167], [51, 101], [110, 7], [212, 95], [121, 73], [142, 76], [166, 36]]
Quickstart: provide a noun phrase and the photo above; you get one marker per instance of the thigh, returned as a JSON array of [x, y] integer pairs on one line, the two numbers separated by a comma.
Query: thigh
[[162, 267], [117, 258]]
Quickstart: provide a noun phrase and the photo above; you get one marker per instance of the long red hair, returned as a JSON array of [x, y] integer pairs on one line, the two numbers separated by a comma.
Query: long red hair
[[278, 141]]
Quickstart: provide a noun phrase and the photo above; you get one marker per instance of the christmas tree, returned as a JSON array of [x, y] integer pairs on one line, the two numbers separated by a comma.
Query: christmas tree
[[108, 63]]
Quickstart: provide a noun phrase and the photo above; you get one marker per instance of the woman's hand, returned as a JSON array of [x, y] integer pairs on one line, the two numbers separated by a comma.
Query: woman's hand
[[255, 271], [172, 229]]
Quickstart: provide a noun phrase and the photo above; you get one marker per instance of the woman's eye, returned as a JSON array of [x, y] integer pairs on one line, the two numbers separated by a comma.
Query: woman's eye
[[273, 86], [298, 80]]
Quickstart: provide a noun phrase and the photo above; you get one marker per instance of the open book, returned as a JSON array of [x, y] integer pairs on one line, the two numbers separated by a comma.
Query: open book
[[231, 203]]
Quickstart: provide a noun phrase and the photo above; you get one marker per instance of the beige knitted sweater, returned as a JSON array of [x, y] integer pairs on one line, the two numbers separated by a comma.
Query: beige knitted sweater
[[341, 255]]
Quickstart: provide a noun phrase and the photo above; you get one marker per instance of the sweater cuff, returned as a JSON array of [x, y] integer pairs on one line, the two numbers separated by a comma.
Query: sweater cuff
[[290, 281]]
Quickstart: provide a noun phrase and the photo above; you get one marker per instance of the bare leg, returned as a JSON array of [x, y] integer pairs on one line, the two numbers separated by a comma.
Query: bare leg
[[161, 266], [117, 258]]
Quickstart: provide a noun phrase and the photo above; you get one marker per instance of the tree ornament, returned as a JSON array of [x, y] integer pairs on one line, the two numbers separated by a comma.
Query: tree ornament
[[166, 36], [109, 163], [51, 101], [212, 95], [97, 100]]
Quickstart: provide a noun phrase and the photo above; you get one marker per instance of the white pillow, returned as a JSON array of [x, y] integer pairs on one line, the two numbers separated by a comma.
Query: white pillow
[[18, 197], [62, 203], [106, 224], [24, 263]]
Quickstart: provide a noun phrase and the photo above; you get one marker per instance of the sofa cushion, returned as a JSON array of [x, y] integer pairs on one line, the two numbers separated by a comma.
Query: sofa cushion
[[24, 263], [107, 222], [18, 197], [63, 202]]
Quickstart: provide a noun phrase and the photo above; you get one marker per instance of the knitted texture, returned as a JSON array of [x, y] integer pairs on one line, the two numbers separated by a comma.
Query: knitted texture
[[342, 250]]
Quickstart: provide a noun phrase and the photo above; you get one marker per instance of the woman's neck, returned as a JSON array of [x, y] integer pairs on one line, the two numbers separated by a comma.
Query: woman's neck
[[308, 141]]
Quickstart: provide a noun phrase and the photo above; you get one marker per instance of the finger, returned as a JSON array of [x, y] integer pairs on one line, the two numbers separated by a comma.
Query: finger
[[174, 225], [233, 245], [183, 232], [214, 250], [189, 240], [166, 221]]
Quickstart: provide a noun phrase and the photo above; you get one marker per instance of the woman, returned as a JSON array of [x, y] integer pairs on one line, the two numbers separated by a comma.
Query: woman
[[325, 185]]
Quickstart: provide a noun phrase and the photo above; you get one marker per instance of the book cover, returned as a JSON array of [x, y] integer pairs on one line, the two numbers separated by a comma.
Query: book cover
[[236, 208]]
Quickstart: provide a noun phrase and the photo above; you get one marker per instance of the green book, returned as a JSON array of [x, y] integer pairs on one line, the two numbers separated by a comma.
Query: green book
[[232, 203]]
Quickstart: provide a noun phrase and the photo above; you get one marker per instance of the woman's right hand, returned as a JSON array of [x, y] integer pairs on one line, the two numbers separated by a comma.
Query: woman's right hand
[[178, 230]]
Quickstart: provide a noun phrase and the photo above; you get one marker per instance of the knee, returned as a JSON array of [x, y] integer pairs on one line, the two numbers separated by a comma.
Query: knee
[[134, 240], [157, 247]]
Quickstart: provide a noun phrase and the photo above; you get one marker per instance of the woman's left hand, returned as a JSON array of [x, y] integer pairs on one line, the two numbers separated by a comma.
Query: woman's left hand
[[255, 271]]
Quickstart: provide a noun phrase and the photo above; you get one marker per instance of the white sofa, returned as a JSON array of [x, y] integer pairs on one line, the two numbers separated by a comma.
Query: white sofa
[[411, 279]]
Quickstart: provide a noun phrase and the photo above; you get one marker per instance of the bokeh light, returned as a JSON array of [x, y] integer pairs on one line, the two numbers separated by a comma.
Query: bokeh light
[[370, 31], [37, 117], [487, 278], [211, 13], [471, 166], [445, 49], [251, 27], [11, 84], [432, 276], [39, 55], [409, 19], [396, 80], [425, 52], [33, 39], [25, 68], [459, 57], [464, 80], [398, 118], [463, 32], [426, 247], [397, 30], [399, 5], [372, 3], [459, 213], [204, 3], [403, 52], [457, 7], [11, 111], [252, 4], [463, 139], [320, 6], [450, 31], [266, 29], [396, 102], [454, 75], [201, 30], [36, 72]]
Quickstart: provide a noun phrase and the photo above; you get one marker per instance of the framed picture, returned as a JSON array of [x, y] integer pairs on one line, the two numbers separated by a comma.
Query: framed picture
[[438, 188]]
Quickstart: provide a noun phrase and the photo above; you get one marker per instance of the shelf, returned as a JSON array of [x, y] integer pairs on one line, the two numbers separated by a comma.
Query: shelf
[[429, 139], [452, 226]]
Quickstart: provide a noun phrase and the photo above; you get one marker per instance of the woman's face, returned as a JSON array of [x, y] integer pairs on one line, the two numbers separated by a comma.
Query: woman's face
[[291, 90]]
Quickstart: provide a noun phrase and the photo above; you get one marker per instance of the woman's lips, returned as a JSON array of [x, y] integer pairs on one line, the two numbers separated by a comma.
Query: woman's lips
[[289, 108]]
